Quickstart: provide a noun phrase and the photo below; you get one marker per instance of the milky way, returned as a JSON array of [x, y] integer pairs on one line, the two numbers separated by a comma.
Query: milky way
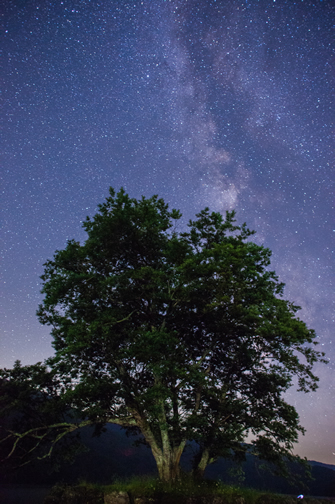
[[221, 104]]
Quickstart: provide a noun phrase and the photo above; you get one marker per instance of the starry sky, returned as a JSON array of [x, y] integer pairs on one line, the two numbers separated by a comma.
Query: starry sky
[[226, 104]]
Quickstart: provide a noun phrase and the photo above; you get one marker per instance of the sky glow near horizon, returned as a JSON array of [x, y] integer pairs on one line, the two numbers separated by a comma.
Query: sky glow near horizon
[[226, 104]]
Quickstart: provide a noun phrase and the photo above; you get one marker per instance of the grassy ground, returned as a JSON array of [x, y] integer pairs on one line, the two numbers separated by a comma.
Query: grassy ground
[[149, 487], [155, 492]]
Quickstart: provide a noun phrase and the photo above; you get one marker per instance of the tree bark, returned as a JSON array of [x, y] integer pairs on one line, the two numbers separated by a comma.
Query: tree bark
[[168, 463], [200, 468], [167, 458], [205, 460]]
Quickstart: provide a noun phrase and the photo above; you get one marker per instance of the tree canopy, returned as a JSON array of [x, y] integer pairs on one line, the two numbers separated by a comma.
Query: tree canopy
[[178, 335]]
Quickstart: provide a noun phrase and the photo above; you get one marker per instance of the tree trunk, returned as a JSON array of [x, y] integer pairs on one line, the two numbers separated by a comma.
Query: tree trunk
[[167, 458], [168, 463], [199, 470], [205, 460]]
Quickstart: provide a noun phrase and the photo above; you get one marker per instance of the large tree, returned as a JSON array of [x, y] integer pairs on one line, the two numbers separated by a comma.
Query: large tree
[[178, 335]]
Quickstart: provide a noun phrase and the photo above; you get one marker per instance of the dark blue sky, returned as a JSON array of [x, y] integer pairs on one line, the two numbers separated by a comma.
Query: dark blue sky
[[226, 104]]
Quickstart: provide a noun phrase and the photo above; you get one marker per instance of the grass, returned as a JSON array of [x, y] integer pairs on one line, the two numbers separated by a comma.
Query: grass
[[153, 488], [186, 488]]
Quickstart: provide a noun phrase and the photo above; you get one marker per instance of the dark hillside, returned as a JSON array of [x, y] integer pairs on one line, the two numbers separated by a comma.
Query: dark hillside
[[113, 455]]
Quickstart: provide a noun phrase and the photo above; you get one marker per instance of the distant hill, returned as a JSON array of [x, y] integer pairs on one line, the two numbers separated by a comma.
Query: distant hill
[[113, 455], [315, 463]]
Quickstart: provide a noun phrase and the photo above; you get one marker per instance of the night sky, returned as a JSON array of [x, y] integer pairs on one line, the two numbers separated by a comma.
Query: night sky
[[226, 104]]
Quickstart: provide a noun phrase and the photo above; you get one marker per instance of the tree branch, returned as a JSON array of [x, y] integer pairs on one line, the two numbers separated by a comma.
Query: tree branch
[[122, 320], [124, 422], [34, 433]]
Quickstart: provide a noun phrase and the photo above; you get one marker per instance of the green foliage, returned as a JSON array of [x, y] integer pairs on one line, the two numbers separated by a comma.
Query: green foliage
[[182, 336]]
